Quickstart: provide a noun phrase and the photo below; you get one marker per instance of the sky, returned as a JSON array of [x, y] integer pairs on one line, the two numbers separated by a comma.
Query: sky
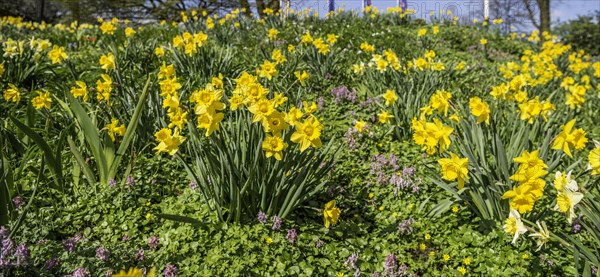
[[561, 11]]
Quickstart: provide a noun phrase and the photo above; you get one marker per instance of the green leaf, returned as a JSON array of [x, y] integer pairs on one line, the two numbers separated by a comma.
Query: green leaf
[[55, 164], [185, 219]]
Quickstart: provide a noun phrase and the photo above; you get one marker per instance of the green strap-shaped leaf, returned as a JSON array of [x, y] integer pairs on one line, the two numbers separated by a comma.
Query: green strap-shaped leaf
[[55, 164], [184, 219], [130, 132], [92, 137]]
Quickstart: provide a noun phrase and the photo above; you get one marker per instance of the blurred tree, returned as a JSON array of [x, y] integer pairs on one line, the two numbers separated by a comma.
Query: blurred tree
[[32, 10], [582, 33], [261, 5], [543, 6], [90, 10]]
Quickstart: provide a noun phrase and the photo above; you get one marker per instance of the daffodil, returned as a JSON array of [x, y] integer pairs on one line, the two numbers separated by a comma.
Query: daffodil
[[267, 70], [129, 32], [594, 159], [542, 236], [564, 181], [272, 33], [455, 168], [273, 147], [104, 88], [570, 138], [566, 201], [108, 28], [309, 108], [384, 117], [308, 134], [166, 71], [360, 126], [293, 116], [42, 100], [159, 51], [331, 213], [275, 123], [135, 272], [440, 101], [115, 129], [521, 198], [80, 91], [302, 76], [278, 57], [480, 109], [210, 122], [261, 110], [279, 100], [514, 226], [390, 97], [57, 54], [12, 94], [107, 61], [169, 141], [208, 100]]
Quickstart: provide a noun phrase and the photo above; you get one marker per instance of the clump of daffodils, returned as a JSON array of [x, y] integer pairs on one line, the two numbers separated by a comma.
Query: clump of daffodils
[[169, 138], [269, 112], [529, 177]]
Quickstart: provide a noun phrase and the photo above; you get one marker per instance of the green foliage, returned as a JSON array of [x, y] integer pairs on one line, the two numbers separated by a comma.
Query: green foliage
[[582, 33], [237, 180]]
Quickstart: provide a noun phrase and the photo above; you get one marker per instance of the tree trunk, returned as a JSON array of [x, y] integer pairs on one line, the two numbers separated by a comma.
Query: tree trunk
[[42, 5], [544, 6]]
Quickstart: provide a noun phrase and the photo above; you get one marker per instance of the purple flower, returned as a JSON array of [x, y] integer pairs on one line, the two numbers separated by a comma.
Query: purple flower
[[320, 103], [193, 184], [4, 232], [381, 178], [262, 217], [406, 226], [409, 171], [394, 162], [80, 272], [402, 270], [343, 93], [109, 273], [51, 263], [594, 269], [22, 254], [112, 182], [276, 222], [125, 237], [130, 181], [153, 242], [71, 244], [319, 243], [291, 235], [351, 261], [17, 202], [170, 271], [576, 227], [102, 254], [357, 273], [375, 274], [390, 263], [139, 256], [350, 138], [380, 158], [8, 247]]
